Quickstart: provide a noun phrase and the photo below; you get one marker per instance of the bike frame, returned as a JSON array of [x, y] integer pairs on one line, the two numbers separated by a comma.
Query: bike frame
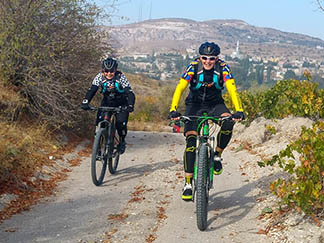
[[204, 137], [106, 123], [109, 114], [203, 165]]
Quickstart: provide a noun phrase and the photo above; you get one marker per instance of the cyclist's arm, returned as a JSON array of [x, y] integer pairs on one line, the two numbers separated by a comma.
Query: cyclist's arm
[[94, 87], [185, 79], [231, 87], [128, 89], [182, 85]]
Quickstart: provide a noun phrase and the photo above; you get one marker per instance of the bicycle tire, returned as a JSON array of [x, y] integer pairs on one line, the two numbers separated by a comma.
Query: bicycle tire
[[113, 157], [201, 186], [99, 161]]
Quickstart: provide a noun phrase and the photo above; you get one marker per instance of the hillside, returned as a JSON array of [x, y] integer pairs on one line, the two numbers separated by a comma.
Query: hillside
[[164, 35], [161, 49]]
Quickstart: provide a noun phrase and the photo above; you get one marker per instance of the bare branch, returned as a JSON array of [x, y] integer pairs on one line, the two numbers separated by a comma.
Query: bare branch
[[320, 5]]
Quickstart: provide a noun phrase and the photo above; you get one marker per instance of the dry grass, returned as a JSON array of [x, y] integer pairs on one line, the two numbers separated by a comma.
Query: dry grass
[[10, 103], [23, 149], [156, 126]]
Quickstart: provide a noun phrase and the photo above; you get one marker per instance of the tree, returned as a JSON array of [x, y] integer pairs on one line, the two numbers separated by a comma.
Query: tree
[[48, 49], [259, 73], [320, 4], [290, 74]]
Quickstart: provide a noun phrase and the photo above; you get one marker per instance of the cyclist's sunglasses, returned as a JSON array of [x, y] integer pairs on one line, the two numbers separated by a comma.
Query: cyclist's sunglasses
[[109, 70], [211, 58]]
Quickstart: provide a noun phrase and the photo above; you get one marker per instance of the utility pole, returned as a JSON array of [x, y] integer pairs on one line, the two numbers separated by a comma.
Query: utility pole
[[150, 17], [140, 12]]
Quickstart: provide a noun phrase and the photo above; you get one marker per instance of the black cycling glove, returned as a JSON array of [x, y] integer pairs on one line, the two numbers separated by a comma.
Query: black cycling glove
[[85, 105], [130, 108], [174, 114], [239, 115]]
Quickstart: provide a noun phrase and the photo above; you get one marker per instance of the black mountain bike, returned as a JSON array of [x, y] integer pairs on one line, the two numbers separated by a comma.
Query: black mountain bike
[[204, 163], [105, 145]]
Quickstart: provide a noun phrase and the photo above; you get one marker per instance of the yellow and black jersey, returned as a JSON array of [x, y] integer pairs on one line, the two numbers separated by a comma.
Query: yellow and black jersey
[[206, 85]]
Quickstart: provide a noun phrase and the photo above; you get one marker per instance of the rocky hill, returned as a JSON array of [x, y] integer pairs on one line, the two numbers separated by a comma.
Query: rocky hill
[[162, 48], [183, 35]]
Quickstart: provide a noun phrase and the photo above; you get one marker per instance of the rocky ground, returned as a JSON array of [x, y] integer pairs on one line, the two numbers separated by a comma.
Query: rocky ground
[[290, 226]]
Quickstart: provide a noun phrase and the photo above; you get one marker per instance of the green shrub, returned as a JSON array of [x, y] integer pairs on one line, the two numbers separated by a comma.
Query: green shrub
[[305, 188], [288, 97]]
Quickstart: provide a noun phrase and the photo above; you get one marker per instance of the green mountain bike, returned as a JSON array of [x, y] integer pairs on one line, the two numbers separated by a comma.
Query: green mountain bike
[[203, 168], [105, 145]]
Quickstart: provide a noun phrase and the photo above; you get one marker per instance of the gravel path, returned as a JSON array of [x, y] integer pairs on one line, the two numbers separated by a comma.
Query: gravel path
[[141, 202]]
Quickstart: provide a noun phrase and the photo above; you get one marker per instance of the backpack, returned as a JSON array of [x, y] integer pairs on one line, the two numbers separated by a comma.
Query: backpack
[[198, 76]]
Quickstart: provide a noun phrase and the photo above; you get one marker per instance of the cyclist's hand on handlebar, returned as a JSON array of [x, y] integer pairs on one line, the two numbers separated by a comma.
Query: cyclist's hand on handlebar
[[239, 115], [130, 108], [174, 115], [85, 105]]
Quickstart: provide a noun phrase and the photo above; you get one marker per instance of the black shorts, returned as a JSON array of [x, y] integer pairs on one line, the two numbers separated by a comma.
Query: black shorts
[[198, 109]]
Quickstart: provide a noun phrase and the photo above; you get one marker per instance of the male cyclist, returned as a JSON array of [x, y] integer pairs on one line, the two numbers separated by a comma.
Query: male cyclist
[[206, 77], [116, 91]]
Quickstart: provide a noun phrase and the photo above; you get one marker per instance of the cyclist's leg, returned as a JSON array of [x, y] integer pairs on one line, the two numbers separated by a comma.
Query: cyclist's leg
[[99, 116], [190, 151], [121, 125], [223, 137]]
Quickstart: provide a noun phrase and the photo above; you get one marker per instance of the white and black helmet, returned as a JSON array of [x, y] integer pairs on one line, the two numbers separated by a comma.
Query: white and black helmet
[[109, 64]]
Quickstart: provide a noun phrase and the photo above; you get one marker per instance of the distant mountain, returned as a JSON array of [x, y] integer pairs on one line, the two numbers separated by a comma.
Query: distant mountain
[[185, 35]]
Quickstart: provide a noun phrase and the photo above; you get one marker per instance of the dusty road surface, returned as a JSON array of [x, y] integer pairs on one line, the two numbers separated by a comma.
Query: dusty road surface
[[141, 202]]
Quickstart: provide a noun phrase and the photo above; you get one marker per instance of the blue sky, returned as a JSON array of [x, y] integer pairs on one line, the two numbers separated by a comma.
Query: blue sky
[[298, 16]]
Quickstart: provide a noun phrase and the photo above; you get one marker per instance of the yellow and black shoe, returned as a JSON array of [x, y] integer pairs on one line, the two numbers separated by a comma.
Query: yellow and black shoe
[[187, 192], [218, 168]]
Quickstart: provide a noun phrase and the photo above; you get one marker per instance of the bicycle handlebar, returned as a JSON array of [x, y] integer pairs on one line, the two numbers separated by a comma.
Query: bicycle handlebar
[[218, 118], [109, 108]]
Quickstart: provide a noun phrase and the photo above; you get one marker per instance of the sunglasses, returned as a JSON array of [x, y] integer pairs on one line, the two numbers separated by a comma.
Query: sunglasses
[[205, 58], [109, 71]]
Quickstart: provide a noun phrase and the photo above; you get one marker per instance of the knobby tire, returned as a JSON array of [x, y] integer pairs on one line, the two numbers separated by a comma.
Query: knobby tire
[[113, 157], [99, 161], [201, 186]]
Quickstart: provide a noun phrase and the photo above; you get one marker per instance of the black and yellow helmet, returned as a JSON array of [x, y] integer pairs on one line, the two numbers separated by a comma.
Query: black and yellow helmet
[[209, 49]]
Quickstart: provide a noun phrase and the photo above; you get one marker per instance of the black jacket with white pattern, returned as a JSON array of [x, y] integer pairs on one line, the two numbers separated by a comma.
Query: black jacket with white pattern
[[116, 91]]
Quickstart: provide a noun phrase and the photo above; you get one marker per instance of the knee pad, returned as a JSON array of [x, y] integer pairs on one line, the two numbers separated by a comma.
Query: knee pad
[[225, 134], [191, 143], [227, 125], [121, 128], [190, 153]]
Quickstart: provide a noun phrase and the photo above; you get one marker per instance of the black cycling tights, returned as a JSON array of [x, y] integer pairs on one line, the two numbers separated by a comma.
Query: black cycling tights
[[223, 138], [225, 134], [121, 122], [190, 153]]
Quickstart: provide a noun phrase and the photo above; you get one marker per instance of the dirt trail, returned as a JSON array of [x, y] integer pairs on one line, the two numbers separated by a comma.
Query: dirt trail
[[141, 203]]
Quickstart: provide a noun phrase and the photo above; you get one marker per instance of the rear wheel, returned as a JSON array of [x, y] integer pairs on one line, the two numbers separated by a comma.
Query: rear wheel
[[99, 158], [201, 186], [113, 157]]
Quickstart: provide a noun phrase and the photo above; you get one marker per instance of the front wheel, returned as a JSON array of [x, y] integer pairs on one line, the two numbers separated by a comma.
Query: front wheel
[[114, 153], [201, 186], [99, 157]]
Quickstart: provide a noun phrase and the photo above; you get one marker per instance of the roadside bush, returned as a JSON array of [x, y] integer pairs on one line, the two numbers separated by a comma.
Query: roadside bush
[[288, 97], [305, 188], [155, 106], [292, 97], [48, 49]]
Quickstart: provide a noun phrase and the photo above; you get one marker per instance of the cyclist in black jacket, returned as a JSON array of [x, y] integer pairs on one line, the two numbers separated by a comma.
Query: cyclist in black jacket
[[116, 91]]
